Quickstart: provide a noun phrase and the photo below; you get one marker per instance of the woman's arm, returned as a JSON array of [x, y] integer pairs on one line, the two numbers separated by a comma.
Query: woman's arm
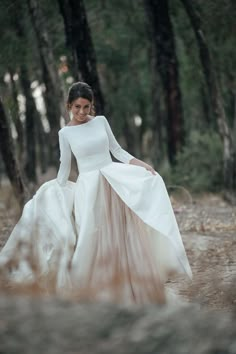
[[122, 155], [65, 159], [115, 148]]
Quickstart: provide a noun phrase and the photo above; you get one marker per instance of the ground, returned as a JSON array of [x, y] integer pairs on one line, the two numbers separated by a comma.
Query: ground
[[208, 227]]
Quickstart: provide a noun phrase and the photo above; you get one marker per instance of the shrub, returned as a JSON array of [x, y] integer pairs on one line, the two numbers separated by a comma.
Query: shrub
[[199, 166]]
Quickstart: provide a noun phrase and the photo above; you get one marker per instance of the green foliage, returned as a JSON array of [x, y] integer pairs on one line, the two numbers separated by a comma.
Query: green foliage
[[200, 164], [120, 37]]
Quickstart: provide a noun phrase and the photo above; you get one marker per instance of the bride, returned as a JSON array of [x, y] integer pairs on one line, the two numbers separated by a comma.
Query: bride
[[112, 235]]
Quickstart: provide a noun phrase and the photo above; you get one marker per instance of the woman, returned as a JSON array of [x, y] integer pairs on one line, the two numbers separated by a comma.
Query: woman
[[112, 235]]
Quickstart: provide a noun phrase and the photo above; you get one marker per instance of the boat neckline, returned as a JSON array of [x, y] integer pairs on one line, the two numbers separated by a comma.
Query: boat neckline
[[79, 125]]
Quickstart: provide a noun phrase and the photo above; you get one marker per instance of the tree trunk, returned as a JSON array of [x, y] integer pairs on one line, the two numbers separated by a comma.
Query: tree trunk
[[42, 146], [65, 10], [167, 65], [129, 137], [215, 96], [15, 116], [30, 119], [234, 110], [157, 123], [33, 121], [9, 158], [54, 99], [208, 117], [79, 39]]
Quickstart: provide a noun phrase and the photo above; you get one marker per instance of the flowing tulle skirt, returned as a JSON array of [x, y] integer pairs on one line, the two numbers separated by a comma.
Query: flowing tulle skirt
[[111, 236]]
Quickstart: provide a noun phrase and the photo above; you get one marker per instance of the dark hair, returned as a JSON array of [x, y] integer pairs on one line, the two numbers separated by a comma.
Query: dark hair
[[80, 89]]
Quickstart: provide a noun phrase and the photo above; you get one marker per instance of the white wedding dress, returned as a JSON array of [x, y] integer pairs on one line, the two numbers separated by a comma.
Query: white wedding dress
[[111, 235]]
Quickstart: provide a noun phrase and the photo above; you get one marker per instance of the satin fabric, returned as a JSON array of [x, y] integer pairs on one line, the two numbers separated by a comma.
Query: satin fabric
[[112, 235]]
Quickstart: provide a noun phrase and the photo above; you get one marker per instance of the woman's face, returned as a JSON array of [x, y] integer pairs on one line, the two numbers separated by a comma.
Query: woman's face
[[80, 109]]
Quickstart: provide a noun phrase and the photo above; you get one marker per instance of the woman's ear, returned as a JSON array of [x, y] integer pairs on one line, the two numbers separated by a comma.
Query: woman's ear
[[70, 114], [92, 109]]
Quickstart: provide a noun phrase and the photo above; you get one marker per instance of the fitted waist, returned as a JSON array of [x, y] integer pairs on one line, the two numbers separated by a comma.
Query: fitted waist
[[93, 162]]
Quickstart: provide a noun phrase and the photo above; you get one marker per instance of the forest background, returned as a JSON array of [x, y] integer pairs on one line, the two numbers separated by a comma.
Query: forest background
[[162, 72]]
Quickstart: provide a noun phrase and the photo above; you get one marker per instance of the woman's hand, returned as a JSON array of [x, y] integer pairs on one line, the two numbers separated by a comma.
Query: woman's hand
[[138, 162]]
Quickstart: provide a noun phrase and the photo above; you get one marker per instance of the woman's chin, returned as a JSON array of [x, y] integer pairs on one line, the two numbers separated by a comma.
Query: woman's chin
[[81, 119]]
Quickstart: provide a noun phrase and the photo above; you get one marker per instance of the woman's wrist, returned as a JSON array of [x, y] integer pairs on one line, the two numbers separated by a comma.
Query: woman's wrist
[[141, 163], [133, 161]]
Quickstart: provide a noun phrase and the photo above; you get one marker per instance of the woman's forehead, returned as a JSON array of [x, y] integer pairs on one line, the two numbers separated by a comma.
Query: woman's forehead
[[81, 101]]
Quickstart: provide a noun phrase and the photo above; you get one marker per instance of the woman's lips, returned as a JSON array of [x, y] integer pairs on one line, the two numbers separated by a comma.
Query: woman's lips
[[81, 117]]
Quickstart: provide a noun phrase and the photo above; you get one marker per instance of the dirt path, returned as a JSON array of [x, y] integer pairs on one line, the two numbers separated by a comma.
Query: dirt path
[[208, 227]]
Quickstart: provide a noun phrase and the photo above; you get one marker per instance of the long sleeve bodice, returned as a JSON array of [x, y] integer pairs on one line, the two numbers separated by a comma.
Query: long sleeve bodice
[[91, 144], [65, 159]]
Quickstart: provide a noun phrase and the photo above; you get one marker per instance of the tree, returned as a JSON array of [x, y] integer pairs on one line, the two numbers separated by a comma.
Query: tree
[[79, 39], [30, 107], [15, 114], [9, 158], [215, 95], [30, 120], [54, 97], [167, 66]]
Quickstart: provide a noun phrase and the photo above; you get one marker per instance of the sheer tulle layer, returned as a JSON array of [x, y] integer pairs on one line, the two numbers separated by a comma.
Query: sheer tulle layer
[[115, 260], [112, 236]]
